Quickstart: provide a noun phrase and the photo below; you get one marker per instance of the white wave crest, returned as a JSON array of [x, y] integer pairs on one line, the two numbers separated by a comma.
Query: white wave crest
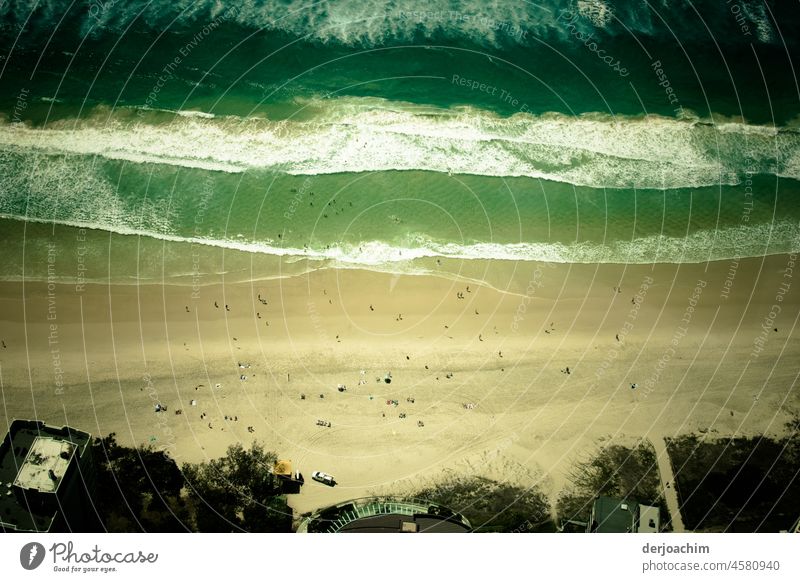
[[699, 247], [367, 134], [372, 22]]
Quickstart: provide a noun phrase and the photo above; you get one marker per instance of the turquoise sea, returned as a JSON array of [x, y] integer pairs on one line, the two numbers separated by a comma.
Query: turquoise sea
[[272, 137]]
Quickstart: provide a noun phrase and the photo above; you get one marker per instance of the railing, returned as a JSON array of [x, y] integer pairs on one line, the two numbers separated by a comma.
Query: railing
[[350, 511]]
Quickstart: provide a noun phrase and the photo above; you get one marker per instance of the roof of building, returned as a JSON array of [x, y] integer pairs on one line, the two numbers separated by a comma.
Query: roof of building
[[29, 451], [46, 463], [649, 519], [282, 467], [393, 523], [385, 514], [613, 515]]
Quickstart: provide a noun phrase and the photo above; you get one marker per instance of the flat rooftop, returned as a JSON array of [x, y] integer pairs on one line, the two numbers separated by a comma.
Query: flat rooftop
[[46, 464], [649, 519], [614, 515], [24, 437]]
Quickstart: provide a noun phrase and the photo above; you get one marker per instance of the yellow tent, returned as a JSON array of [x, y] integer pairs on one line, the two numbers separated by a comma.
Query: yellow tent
[[283, 468]]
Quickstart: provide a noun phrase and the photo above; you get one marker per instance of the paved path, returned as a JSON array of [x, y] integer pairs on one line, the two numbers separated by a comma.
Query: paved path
[[665, 471]]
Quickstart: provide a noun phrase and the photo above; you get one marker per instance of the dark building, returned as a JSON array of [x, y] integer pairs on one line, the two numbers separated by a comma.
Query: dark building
[[386, 515], [614, 515], [289, 480], [47, 479]]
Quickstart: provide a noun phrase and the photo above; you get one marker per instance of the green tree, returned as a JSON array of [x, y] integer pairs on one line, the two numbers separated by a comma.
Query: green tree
[[138, 489], [492, 506], [616, 471], [237, 492]]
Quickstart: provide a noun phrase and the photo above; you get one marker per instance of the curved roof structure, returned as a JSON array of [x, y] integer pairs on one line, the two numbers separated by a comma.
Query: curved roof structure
[[385, 515]]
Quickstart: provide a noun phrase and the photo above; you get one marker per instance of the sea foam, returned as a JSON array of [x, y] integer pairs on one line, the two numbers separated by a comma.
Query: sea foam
[[373, 22], [699, 247], [367, 135]]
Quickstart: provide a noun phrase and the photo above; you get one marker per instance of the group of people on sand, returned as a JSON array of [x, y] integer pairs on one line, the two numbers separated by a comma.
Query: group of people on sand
[[261, 300], [159, 407], [389, 401], [394, 402]]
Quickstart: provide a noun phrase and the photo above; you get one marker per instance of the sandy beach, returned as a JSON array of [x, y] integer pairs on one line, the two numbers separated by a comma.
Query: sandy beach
[[512, 385]]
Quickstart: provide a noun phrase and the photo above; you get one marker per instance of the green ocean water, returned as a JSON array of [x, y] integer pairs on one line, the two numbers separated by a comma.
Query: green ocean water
[[392, 136]]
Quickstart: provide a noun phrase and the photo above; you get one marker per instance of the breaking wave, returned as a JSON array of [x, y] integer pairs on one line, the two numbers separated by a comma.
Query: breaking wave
[[699, 247], [373, 22], [368, 135]]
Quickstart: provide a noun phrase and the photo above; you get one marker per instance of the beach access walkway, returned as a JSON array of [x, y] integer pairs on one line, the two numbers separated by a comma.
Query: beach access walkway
[[668, 483]]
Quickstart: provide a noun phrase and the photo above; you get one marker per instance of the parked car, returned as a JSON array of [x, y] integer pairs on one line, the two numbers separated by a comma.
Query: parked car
[[323, 478]]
